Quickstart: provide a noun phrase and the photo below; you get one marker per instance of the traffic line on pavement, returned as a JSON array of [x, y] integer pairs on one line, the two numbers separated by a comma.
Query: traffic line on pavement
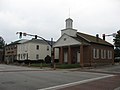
[[118, 88], [75, 83]]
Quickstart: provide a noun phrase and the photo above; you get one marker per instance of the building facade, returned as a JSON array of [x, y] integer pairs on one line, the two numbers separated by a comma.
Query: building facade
[[10, 53], [22, 50], [1, 55], [34, 49], [76, 47]]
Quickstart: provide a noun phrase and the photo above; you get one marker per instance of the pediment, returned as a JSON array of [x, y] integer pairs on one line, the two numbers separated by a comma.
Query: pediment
[[66, 40]]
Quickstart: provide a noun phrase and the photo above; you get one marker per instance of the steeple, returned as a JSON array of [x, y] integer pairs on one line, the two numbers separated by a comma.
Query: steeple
[[69, 28], [69, 23]]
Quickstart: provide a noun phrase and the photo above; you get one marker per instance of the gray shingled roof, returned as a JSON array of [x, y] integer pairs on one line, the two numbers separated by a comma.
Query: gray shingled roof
[[92, 39], [32, 40], [39, 41], [17, 42]]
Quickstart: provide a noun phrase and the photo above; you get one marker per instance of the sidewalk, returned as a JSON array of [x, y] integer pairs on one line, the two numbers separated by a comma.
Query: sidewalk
[[111, 83], [8, 68]]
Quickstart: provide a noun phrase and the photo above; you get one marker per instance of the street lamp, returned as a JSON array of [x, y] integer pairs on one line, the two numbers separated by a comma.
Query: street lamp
[[36, 36]]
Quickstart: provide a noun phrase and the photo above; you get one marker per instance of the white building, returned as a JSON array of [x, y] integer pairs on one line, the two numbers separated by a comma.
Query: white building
[[34, 49]]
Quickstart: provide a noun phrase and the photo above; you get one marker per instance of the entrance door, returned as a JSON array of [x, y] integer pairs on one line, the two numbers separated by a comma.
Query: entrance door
[[65, 56], [78, 57]]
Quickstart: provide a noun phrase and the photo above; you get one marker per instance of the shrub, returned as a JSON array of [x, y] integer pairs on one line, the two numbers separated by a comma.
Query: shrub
[[67, 66]]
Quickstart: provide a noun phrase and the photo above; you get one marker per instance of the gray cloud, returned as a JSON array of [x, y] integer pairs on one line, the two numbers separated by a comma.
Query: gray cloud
[[47, 17]]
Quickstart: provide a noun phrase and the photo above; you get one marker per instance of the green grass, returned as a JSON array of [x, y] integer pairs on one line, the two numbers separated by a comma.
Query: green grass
[[67, 66], [60, 66]]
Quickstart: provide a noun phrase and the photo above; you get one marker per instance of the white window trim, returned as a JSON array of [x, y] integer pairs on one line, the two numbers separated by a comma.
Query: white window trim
[[102, 55], [95, 53], [108, 54]]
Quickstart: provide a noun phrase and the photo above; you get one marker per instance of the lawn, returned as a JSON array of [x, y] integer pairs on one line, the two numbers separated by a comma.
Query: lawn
[[60, 66]]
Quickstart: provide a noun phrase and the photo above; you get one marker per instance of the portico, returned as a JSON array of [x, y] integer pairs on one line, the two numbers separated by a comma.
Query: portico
[[71, 54]]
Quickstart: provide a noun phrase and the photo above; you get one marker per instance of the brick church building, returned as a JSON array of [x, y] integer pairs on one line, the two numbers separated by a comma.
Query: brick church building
[[76, 47]]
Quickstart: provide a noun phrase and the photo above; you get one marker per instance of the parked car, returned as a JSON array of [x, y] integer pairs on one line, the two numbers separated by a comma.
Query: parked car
[[117, 59]]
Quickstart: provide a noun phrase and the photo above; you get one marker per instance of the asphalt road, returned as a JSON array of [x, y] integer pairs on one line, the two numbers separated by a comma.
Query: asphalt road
[[108, 83], [23, 78]]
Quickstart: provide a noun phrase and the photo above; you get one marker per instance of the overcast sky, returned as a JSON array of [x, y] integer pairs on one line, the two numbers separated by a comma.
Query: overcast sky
[[46, 18]]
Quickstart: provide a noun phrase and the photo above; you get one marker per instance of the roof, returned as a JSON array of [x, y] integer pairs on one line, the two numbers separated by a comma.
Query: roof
[[23, 40], [39, 41], [32, 40], [69, 19], [92, 39], [17, 42]]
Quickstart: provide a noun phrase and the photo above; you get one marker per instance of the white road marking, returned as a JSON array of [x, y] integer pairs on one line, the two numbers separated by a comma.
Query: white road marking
[[75, 83], [117, 88]]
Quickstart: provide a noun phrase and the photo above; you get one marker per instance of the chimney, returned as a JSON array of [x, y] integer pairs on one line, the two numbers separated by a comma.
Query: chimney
[[97, 37], [103, 36]]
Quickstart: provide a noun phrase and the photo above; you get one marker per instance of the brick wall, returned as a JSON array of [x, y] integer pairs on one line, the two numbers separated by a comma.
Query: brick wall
[[105, 55]]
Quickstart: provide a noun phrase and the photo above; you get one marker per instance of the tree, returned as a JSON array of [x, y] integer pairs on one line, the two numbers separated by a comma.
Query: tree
[[117, 44], [117, 40], [2, 43]]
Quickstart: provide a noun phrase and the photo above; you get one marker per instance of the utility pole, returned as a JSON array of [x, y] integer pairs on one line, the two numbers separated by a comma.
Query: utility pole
[[36, 36]]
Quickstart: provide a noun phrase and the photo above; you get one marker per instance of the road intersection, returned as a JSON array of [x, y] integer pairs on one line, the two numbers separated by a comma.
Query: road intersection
[[25, 78]]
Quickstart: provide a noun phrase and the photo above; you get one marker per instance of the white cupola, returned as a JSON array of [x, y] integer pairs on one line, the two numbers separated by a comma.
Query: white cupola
[[69, 22], [69, 28]]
